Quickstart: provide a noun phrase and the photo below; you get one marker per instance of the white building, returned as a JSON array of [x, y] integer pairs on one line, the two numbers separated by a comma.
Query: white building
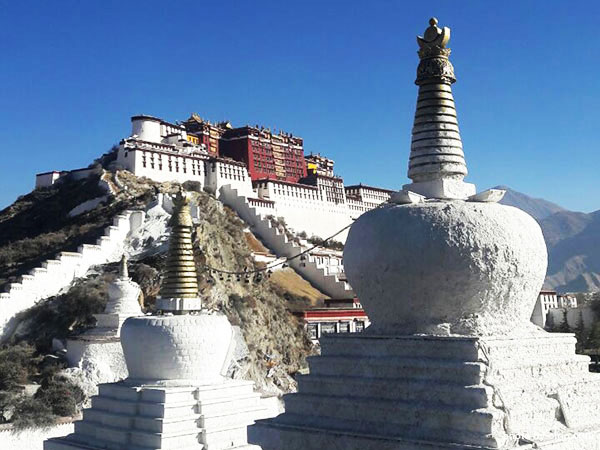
[[46, 179], [549, 300]]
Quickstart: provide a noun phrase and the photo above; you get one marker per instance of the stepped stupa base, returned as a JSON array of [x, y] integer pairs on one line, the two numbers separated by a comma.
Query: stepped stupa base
[[428, 392], [206, 417], [304, 438]]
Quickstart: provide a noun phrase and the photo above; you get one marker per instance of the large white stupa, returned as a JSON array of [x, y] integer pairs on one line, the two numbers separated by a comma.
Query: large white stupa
[[176, 395], [448, 278]]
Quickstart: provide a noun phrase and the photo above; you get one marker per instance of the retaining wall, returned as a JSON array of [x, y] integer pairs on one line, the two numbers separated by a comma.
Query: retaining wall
[[54, 275]]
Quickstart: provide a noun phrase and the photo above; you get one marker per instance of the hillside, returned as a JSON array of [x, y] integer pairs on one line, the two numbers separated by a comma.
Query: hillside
[[574, 251], [38, 225], [573, 241]]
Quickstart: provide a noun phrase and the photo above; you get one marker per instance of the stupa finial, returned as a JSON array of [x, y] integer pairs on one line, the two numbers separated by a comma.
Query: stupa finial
[[435, 65], [181, 212], [123, 272], [436, 164], [180, 279]]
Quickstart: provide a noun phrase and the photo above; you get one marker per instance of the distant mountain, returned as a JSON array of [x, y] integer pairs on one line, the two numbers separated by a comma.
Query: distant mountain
[[572, 238], [573, 241], [535, 207]]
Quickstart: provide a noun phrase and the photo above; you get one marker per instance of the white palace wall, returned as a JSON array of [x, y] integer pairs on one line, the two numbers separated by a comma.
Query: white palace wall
[[304, 210], [158, 162], [584, 312]]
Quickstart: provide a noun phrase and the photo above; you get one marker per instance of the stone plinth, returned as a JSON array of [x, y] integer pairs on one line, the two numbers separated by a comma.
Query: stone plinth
[[208, 417], [425, 392]]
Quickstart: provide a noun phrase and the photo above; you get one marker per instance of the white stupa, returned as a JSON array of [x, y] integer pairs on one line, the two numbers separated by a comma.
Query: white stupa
[[123, 302], [448, 278], [176, 395], [98, 351]]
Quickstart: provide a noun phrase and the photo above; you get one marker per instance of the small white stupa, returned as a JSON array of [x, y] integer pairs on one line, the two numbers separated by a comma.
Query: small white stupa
[[448, 278], [176, 395], [98, 351], [123, 302]]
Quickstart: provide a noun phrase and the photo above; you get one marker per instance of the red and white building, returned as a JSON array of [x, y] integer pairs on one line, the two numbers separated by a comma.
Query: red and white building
[[338, 316], [268, 169]]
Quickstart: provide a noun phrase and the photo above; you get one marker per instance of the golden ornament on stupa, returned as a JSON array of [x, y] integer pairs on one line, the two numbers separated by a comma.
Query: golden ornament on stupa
[[180, 280]]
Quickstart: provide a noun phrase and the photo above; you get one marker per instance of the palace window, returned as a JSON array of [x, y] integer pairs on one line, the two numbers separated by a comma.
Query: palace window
[[328, 327], [360, 326]]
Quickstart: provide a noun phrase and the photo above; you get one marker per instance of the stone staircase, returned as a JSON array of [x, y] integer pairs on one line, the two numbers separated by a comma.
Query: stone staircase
[[54, 275], [424, 392], [212, 417], [329, 280]]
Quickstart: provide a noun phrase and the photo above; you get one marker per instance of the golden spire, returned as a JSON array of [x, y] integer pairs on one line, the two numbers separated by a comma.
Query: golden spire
[[181, 280]]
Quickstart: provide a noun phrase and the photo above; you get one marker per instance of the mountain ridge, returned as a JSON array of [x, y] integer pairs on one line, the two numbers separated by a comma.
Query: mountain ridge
[[572, 239]]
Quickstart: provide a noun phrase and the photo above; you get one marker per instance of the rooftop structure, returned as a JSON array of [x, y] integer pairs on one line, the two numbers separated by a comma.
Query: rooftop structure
[[319, 165], [123, 302], [436, 164], [338, 316], [98, 351], [448, 278], [207, 133], [180, 280]]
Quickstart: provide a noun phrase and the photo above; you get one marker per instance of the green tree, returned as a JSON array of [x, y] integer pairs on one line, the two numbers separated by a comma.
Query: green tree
[[32, 413], [550, 323], [593, 341], [580, 334], [61, 396], [564, 325]]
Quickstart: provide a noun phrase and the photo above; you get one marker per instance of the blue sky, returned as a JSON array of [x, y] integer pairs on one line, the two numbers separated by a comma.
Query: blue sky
[[338, 73]]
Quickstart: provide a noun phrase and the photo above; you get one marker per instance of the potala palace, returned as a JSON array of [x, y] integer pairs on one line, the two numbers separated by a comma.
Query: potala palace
[[264, 170]]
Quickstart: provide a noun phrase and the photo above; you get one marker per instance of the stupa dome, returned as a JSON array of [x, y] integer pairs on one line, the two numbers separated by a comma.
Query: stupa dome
[[178, 349], [453, 267]]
